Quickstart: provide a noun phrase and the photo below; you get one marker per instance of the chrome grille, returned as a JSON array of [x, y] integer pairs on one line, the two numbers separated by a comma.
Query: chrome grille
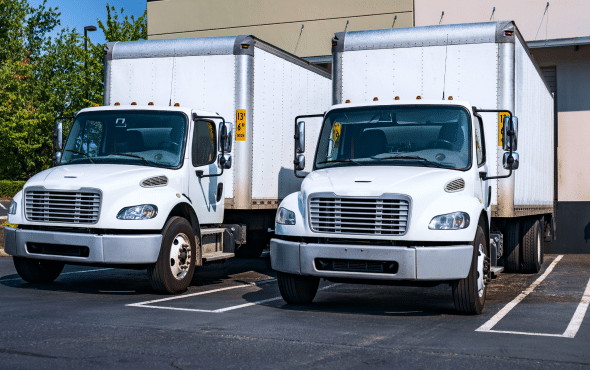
[[77, 207], [343, 215]]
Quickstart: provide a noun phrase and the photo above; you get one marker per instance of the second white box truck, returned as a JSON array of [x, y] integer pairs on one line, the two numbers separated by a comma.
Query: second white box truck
[[416, 179], [157, 178]]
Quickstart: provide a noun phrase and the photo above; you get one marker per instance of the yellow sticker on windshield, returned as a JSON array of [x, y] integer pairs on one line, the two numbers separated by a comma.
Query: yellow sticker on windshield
[[336, 129], [501, 116], [240, 125]]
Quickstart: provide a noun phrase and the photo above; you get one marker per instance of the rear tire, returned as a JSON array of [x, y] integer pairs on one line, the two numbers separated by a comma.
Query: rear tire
[[512, 246], [297, 289], [256, 241], [37, 271], [532, 243], [469, 294], [175, 267]]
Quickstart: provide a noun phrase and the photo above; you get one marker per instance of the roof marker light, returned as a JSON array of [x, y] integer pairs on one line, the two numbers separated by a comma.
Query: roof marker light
[[418, 97], [177, 104], [450, 98], [151, 103], [375, 99], [134, 103], [347, 101], [117, 103]]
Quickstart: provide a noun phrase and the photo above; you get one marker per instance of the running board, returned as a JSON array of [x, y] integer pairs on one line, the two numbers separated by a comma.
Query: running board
[[495, 270], [217, 257]]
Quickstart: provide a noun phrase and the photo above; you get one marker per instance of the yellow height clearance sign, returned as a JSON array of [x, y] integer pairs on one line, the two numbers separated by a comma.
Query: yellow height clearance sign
[[240, 125], [501, 116]]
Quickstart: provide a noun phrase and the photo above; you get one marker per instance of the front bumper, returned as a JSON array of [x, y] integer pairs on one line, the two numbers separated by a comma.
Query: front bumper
[[115, 249], [414, 263]]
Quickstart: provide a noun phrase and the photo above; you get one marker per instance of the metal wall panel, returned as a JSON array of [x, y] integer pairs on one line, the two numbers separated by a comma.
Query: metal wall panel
[[200, 82], [282, 91], [534, 108]]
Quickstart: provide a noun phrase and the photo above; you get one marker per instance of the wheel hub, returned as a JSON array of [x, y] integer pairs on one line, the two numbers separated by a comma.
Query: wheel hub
[[180, 256]]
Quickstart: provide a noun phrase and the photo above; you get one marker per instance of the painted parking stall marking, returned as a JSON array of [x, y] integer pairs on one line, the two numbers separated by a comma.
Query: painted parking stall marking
[[574, 324], [150, 304], [64, 273]]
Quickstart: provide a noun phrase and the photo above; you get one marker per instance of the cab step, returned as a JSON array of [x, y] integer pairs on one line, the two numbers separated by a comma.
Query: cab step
[[496, 270], [217, 257]]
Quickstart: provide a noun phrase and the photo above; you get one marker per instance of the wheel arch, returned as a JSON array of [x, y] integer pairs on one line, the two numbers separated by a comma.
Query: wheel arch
[[484, 222], [185, 211]]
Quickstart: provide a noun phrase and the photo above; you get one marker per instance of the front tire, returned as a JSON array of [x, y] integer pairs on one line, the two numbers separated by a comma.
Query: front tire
[[297, 289], [532, 243], [175, 267], [37, 271], [469, 294]]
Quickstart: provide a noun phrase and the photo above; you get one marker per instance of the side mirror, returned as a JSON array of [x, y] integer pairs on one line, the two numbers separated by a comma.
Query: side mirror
[[56, 158], [300, 137], [225, 137], [225, 161], [510, 136], [300, 162], [58, 136], [510, 162]]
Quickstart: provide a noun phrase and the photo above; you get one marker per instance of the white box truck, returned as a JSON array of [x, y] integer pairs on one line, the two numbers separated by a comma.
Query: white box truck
[[147, 180], [414, 177]]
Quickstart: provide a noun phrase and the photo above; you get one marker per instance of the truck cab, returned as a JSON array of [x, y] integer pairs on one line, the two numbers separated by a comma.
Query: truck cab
[[398, 194], [135, 186]]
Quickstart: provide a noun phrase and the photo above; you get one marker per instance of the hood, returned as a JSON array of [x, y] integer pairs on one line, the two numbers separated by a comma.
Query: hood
[[74, 177], [374, 181]]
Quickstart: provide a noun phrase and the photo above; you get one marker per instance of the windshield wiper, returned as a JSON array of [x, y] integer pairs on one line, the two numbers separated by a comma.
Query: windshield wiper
[[345, 160], [84, 154], [134, 156], [411, 157]]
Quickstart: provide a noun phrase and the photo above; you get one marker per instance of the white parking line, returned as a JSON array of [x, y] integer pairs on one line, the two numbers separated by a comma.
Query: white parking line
[[147, 304], [64, 273], [2, 205], [573, 326]]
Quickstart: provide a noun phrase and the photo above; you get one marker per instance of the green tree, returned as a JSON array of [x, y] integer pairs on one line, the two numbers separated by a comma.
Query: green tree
[[41, 78]]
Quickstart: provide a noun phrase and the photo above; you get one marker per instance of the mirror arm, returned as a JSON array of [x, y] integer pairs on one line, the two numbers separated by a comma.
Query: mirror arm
[[199, 173], [296, 136]]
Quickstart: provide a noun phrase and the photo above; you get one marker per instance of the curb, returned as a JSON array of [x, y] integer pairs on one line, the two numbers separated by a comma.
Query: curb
[[2, 254]]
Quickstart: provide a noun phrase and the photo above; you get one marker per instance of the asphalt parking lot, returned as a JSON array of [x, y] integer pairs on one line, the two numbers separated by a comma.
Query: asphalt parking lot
[[232, 316]]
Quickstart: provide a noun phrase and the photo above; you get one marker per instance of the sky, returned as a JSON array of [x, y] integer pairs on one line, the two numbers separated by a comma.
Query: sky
[[80, 13]]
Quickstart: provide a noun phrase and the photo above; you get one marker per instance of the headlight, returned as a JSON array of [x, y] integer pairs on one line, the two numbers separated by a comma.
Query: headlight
[[450, 221], [142, 212], [12, 209], [285, 217]]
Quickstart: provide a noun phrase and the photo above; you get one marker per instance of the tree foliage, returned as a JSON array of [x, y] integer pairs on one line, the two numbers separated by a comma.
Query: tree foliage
[[41, 78]]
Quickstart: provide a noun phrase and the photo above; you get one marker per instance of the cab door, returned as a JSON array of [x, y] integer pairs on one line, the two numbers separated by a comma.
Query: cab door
[[205, 184]]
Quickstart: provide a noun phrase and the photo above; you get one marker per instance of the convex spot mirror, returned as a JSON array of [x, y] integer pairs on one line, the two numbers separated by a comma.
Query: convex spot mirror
[[225, 161], [300, 162], [300, 137], [510, 134], [510, 161], [225, 137]]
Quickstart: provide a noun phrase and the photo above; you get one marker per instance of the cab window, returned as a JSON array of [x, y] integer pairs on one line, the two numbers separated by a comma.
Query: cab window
[[204, 139]]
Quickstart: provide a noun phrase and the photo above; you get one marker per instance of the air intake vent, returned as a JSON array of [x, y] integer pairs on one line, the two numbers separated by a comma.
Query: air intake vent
[[154, 181], [455, 185]]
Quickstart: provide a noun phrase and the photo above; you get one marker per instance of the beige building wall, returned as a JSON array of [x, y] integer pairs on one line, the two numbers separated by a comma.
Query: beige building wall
[[276, 21], [564, 18]]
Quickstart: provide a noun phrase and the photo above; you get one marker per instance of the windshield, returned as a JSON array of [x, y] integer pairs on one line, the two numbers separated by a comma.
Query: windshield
[[434, 136], [145, 138]]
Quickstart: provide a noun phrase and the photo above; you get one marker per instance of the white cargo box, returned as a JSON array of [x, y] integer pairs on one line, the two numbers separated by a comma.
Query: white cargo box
[[487, 64], [229, 76]]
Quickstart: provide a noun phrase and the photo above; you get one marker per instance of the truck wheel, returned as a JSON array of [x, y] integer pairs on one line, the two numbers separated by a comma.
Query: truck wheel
[[297, 289], [512, 246], [469, 294], [37, 271], [532, 243], [174, 269]]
